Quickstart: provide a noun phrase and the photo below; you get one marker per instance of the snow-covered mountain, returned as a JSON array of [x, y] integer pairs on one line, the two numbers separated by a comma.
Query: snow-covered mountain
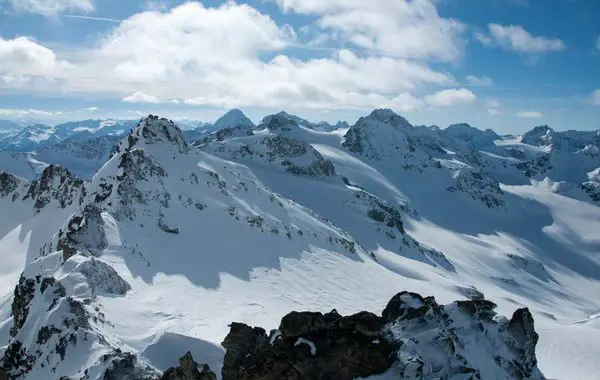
[[24, 165], [83, 157], [169, 243], [30, 138], [322, 126], [8, 127], [86, 129], [231, 119]]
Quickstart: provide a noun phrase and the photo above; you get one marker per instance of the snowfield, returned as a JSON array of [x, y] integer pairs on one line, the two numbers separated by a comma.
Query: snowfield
[[169, 242]]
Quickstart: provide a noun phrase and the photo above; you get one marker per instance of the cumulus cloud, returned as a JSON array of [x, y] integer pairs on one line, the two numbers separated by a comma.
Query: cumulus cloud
[[408, 29], [140, 97], [530, 114], [451, 97], [515, 38], [479, 81], [194, 54], [23, 57], [92, 109], [51, 7]]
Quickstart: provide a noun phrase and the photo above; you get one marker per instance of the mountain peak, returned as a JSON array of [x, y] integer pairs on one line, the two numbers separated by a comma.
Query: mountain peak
[[540, 135], [383, 113], [233, 118], [153, 129], [279, 121], [387, 116]]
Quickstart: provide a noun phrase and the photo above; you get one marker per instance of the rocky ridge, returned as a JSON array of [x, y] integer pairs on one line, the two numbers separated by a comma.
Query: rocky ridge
[[414, 338]]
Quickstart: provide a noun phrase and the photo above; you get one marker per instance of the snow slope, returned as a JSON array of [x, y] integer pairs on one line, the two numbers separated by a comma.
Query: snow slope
[[169, 243]]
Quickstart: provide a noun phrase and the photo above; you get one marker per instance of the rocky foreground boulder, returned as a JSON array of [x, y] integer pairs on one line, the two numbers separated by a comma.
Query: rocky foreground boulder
[[415, 338]]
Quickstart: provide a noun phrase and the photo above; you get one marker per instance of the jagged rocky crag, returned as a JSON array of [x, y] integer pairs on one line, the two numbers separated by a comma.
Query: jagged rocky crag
[[414, 338]]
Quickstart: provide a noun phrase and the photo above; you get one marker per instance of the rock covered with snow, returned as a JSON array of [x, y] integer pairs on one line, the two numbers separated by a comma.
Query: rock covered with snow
[[471, 135], [415, 338], [381, 135], [56, 185], [464, 337], [479, 186], [292, 155], [541, 135], [188, 369], [233, 118]]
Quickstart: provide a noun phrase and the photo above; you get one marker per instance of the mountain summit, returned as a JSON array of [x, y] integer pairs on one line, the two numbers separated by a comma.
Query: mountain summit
[[233, 118]]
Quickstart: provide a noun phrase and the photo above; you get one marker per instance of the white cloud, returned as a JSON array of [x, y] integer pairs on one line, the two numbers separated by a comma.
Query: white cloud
[[451, 97], [479, 81], [92, 109], [596, 97], [214, 56], [408, 29], [16, 113], [493, 103], [51, 7], [493, 107], [140, 97], [515, 38], [530, 114], [23, 57]]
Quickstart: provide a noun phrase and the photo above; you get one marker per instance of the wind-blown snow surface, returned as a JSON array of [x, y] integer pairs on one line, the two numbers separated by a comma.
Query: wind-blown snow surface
[[168, 243]]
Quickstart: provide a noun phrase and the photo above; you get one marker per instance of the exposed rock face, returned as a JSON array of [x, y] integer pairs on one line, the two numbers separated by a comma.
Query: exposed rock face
[[102, 278], [479, 186], [84, 232], [310, 346], [415, 339], [189, 370], [540, 136], [156, 130], [56, 183], [8, 183], [464, 337], [592, 189], [125, 365], [538, 166], [23, 294], [294, 156]]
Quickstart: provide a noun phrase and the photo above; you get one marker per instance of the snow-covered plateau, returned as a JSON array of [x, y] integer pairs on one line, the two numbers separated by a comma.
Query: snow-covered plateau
[[299, 250]]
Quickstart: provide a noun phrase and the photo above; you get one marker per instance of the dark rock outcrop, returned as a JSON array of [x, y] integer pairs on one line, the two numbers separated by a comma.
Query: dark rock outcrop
[[416, 338], [310, 345], [189, 370], [56, 183]]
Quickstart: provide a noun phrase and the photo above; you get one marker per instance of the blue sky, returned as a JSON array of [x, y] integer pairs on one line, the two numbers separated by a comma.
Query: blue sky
[[502, 64]]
